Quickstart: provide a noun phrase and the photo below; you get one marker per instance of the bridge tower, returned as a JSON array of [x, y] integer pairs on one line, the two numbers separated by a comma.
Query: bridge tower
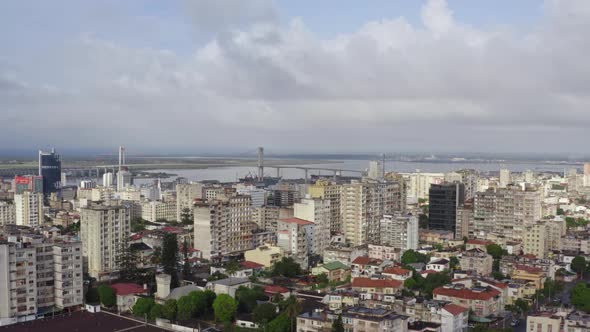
[[260, 164]]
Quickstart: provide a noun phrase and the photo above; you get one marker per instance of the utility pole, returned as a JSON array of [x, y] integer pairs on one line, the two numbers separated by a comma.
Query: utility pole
[[383, 165]]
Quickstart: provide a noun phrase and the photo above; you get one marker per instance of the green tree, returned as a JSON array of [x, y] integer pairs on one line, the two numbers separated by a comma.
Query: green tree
[[156, 257], [551, 288], [211, 296], [560, 212], [137, 225], [579, 265], [280, 324], [438, 246], [143, 306], [127, 260], [186, 216], [412, 256], [92, 295], [292, 309], [454, 262], [186, 267], [522, 305], [199, 302], [157, 311], [337, 325], [410, 283], [169, 309], [107, 295], [580, 296], [184, 308], [264, 313], [247, 298], [495, 250], [322, 278], [231, 268], [170, 258], [225, 308], [286, 267]]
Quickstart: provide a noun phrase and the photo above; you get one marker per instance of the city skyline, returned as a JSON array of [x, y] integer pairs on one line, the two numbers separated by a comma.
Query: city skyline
[[394, 75]]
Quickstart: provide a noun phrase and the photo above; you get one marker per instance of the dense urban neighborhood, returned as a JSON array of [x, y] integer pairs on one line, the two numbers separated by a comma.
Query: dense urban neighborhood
[[382, 251]]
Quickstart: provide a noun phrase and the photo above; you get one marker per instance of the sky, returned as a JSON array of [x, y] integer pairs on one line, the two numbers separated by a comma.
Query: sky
[[296, 76]]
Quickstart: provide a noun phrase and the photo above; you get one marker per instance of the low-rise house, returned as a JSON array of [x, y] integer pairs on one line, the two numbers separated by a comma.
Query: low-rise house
[[344, 254], [341, 298], [438, 265], [544, 322], [377, 289], [360, 319], [228, 286], [273, 290], [484, 301], [265, 255], [247, 269], [397, 273], [335, 271], [364, 266], [313, 322], [454, 318], [577, 321], [436, 236], [528, 273], [477, 244], [384, 252], [127, 294], [477, 260]]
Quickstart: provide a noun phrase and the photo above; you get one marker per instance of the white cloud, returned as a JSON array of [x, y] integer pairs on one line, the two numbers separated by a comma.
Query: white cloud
[[389, 85]]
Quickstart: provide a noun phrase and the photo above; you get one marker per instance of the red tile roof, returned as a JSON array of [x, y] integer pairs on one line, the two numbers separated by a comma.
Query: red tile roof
[[479, 242], [128, 289], [527, 268], [428, 272], [251, 265], [454, 309], [467, 294], [397, 271], [297, 221], [172, 229], [275, 289], [364, 260], [376, 283]]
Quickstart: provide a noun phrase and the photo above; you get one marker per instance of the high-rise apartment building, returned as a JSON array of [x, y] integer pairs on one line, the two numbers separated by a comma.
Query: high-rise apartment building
[[325, 189], [536, 239], [317, 211], [50, 170], [464, 225], [360, 213], [7, 213], [258, 195], [297, 237], [29, 209], [158, 210], [186, 193], [400, 231], [444, 199], [107, 179], [37, 276], [223, 226], [31, 183], [266, 217], [504, 178], [419, 183], [102, 229], [506, 211]]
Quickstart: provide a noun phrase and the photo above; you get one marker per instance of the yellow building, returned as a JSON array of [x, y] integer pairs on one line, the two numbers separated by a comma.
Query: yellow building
[[530, 274], [266, 255], [543, 322]]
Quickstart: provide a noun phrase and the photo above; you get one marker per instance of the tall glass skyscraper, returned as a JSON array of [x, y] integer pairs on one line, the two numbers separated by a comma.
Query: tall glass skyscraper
[[50, 169]]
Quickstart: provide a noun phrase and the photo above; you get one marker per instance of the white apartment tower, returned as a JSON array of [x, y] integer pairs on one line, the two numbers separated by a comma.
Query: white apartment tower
[[504, 178], [223, 226], [400, 231], [186, 193], [107, 179], [38, 276], [317, 211], [102, 229], [29, 208]]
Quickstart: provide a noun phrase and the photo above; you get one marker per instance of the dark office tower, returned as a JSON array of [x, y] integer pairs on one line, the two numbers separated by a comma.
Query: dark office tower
[[443, 202], [50, 169]]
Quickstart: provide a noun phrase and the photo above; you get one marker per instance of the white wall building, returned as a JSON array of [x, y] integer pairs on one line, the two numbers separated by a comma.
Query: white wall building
[[29, 208], [400, 231], [317, 211]]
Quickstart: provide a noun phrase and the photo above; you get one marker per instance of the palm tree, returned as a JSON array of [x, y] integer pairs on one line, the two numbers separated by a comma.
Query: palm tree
[[231, 268], [156, 257], [292, 309]]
